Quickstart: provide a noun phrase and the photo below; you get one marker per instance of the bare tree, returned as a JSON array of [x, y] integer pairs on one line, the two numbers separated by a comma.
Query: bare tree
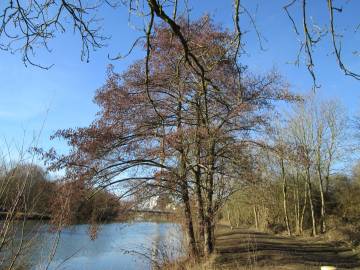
[[318, 130], [171, 129], [26, 26], [25, 196]]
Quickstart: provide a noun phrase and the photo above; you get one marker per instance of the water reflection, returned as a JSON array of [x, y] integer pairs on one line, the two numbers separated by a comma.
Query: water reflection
[[118, 246]]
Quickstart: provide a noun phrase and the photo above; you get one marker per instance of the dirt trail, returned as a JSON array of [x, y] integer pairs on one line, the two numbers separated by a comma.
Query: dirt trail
[[247, 249]]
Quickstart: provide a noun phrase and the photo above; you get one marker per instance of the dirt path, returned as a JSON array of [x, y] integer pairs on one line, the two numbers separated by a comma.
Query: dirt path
[[246, 249]]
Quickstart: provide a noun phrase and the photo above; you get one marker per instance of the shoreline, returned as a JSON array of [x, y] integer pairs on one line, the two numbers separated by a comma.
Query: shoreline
[[30, 216]]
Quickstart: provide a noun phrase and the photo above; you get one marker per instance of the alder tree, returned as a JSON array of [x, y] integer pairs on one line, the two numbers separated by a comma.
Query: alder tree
[[164, 128]]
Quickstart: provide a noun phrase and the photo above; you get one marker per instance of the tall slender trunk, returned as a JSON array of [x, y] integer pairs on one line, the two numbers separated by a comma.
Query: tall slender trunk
[[314, 233], [321, 188], [327, 180], [283, 176], [303, 209], [297, 204], [320, 132]]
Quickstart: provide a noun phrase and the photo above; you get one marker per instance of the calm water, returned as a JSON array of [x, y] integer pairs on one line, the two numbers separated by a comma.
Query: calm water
[[117, 246]]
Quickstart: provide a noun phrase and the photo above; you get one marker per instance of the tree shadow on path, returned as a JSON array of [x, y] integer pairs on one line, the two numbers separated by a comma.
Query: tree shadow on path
[[250, 249]]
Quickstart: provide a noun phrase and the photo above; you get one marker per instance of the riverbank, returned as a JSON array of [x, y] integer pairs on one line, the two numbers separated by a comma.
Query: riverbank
[[250, 249], [143, 217], [29, 216]]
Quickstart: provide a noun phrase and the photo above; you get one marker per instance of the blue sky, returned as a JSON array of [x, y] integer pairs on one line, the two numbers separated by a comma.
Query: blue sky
[[33, 99]]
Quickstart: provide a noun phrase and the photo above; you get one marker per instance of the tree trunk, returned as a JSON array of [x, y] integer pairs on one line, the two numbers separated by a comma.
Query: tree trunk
[[303, 209], [285, 196], [189, 223], [321, 188], [297, 204], [209, 218], [184, 188], [209, 245], [187, 208], [197, 173], [200, 208], [314, 233]]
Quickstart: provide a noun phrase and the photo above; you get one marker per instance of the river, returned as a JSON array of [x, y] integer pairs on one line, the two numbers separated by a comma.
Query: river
[[128, 246]]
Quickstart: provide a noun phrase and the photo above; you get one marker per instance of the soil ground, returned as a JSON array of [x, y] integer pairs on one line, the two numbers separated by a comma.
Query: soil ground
[[249, 249]]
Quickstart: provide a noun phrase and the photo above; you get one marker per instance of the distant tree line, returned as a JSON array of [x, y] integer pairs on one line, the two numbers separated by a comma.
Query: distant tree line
[[39, 194]]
